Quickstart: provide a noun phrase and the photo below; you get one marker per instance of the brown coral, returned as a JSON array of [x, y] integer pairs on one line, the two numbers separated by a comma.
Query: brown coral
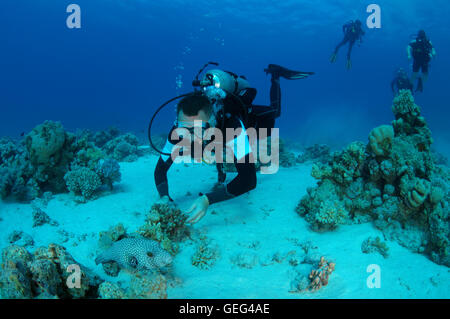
[[319, 277]]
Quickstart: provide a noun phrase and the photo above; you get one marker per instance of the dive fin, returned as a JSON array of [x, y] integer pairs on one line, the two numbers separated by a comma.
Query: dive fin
[[333, 58], [278, 71], [349, 64]]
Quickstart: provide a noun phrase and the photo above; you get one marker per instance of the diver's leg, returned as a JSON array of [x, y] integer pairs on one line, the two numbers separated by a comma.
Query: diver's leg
[[344, 41], [334, 55], [275, 95], [425, 72], [423, 78], [263, 117], [416, 69], [350, 48]]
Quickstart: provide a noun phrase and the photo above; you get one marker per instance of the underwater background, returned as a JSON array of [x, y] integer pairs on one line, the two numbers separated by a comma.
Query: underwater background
[[125, 60], [82, 191]]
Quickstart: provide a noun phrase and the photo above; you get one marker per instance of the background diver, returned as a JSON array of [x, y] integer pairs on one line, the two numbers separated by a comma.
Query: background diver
[[352, 32], [421, 50], [401, 82], [200, 107]]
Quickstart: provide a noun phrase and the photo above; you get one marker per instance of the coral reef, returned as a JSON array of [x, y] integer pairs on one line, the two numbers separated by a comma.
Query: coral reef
[[108, 171], [287, 158], [311, 280], [40, 162], [165, 224], [372, 244], [123, 148], [83, 182], [148, 287], [108, 290], [113, 234], [20, 238], [319, 277], [381, 140], [326, 211], [316, 153], [41, 218], [45, 274], [45, 143], [392, 181], [102, 137], [105, 241], [205, 254], [141, 286]]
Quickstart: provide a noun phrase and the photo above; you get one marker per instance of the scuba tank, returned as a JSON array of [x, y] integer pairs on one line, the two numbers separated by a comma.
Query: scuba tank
[[225, 80], [235, 89]]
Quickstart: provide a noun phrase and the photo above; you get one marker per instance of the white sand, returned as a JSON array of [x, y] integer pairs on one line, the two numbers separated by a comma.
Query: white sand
[[265, 216]]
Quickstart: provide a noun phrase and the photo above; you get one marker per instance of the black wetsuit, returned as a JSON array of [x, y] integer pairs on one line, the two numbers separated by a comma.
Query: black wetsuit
[[258, 117], [352, 33], [401, 83], [421, 49]]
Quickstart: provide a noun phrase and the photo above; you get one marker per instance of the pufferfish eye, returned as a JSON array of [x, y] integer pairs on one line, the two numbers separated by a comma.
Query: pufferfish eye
[[133, 262]]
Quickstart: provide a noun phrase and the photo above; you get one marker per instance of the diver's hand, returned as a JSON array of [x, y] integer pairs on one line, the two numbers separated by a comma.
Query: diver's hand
[[163, 200], [198, 209]]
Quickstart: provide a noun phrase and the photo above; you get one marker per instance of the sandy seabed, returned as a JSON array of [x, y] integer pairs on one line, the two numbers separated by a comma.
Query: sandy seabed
[[261, 224]]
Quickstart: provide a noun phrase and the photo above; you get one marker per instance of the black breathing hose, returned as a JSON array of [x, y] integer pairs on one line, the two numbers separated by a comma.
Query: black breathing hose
[[149, 132]]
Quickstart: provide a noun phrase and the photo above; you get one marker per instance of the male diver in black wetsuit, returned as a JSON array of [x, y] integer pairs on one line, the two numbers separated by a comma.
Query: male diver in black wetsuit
[[401, 82], [201, 107], [421, 50], [352, 32]]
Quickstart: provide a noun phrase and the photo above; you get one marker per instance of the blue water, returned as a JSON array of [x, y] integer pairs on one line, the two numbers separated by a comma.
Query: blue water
[[123, 61]]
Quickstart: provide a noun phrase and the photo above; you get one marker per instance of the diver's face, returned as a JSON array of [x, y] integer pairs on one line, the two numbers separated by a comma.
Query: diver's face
[[190, 122]]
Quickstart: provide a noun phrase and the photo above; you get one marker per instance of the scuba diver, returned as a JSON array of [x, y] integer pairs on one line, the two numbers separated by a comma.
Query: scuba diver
[[401, 82], [352, 32], [421, 50], [224, 101]]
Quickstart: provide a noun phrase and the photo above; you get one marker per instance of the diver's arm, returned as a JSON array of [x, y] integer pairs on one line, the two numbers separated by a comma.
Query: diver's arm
[[409, 51], [433, 51], [162, 167], [345, 28], [244, 182]]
